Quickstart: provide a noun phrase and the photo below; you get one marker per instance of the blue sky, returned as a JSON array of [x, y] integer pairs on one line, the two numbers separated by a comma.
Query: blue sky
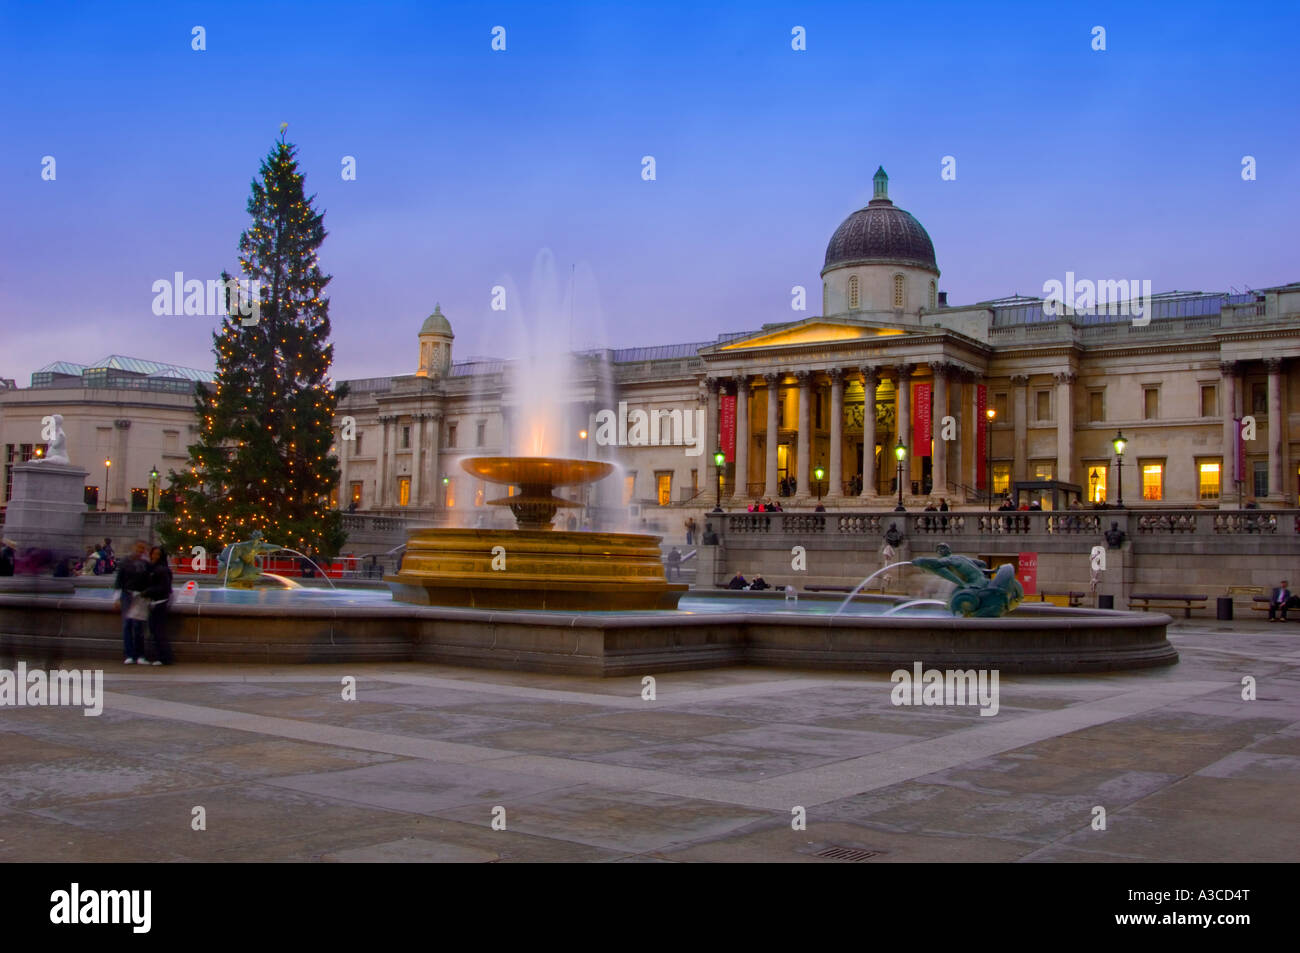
[[472, 163]]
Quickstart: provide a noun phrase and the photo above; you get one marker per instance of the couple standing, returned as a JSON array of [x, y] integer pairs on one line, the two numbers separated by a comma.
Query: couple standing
[[144, 594]]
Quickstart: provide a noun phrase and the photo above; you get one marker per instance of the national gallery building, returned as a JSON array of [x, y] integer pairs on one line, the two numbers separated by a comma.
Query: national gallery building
[[1016, 395]]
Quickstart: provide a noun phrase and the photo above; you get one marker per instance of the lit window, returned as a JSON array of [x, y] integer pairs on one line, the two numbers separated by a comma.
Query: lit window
[[1153, 481], [1001, 477], [356, 493], [404, 491], [664, 487], [629, 487], [1097, 483], [1208, 480], [1044, 471], [853, 293], [478, 495], [899, 299], [449, 494]]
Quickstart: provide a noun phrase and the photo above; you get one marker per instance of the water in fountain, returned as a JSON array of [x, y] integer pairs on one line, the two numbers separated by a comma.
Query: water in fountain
[[225, 582], [860, 586], [894, 610]]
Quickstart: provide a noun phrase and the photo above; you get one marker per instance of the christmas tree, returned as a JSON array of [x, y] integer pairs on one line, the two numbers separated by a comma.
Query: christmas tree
[[263, 461]]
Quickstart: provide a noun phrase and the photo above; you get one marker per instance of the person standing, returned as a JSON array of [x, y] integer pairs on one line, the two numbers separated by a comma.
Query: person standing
[[131, 582], [690, 531], [8, 557], [159, 594], [674, 564], [1278, 601]]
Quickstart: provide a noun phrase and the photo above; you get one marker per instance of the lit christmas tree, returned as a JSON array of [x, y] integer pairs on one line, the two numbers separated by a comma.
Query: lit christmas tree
[[263, 461]]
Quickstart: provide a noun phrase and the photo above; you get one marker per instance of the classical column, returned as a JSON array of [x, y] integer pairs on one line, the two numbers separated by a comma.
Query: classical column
[[1276, 428], [870, 381], [804, 489], [740, 487], [939, 460], [835, 489], [345, 493], [903, 420], [122, 464], [711, 418], [773, 398], [977, 421], [1020, 462], [1065, 426], [390, 468], [417, 433], [957, 399], [1229, 370]]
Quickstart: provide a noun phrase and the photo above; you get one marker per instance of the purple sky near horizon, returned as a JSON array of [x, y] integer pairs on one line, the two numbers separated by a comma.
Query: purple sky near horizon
[[472, 163]]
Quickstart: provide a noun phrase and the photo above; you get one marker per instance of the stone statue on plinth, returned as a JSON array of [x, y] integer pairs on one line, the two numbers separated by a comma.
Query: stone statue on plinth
[[976, 594], [58, 451]]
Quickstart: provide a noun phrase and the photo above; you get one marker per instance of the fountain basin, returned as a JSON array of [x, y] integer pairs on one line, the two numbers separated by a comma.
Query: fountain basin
[[712, 628]]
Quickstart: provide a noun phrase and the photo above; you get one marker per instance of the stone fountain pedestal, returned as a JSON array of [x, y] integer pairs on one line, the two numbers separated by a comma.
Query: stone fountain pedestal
[[534, 567], [47, 508]]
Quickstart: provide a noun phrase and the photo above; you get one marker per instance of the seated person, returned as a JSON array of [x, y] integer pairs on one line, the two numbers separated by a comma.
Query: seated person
[[759, 583], [737, 581]]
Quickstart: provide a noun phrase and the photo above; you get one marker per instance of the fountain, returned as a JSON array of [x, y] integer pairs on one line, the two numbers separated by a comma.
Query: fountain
[[534, 566]]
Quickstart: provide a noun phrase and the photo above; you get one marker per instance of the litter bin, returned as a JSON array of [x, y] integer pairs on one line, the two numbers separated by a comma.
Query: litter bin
[[1224, 608], [1105, 602]]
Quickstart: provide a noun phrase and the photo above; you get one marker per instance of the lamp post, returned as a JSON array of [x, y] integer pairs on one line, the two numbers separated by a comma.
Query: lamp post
[[107, 463], [1119, 443], [153, 488], [819, 474], [719, 461], [900, 452], [988, 455]]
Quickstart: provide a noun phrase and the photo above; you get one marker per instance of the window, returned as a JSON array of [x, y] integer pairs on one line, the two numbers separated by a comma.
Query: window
[[139, 499], [817, 410], [629, 487], [899, 299], [480, 433], [1150, 403], [1207, 478], [1000, 407], [1001, 477], [1097, 482], [695, 483], [1096, 406], [451, 435], [354, 493], [1261, 478], [356, 450], [780, 414], [406, 437], [403, 491], [334, 498], [449, 494], [1259, 399], [1153, 479], [1044, 471], [1043, 405], [1209, 400], [91, 496], [478, 494], [171, 441], [664, 486], [934, 295], [853, 293]]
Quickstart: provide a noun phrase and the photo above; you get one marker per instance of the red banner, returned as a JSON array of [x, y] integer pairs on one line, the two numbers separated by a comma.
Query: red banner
[[1027, 572], [920, 420], [727, 425], [981, 436]]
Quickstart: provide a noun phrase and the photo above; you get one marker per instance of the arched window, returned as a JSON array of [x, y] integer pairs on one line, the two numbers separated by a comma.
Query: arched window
[[899, 301], [934, 295], [853, 293]]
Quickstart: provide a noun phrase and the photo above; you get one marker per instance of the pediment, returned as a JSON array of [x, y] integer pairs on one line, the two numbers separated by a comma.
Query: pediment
[[813, 331]]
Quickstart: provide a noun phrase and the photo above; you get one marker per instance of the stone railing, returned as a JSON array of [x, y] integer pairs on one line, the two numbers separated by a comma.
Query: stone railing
[[364, 523], [1046, 525]]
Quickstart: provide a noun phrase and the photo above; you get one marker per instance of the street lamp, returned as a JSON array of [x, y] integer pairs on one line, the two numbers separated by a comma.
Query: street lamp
[[819, 474], [719, 461], [900, 452], [107, 463], [1119, 443], [988, 456]]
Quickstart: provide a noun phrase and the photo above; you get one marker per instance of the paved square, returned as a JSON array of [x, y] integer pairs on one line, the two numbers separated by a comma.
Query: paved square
[[420, 764]]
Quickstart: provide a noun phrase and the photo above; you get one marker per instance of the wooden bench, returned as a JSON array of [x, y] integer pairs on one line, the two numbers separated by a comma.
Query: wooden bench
[[1149, 600], [1073, 599], [1260, 604]]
